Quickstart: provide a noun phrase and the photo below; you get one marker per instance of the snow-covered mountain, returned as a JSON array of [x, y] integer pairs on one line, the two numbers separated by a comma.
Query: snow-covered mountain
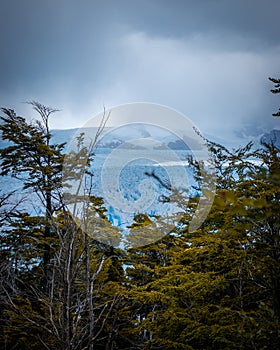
[[273, 137], [127, 134], [114, 137]]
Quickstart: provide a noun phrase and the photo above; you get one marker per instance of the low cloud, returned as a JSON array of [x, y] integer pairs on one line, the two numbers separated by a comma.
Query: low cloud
[[222, 88]]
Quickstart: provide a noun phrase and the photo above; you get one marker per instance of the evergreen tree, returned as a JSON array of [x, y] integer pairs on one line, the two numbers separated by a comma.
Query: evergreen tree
[[276, 90], [33, 159], [60, 287], [218, 287]]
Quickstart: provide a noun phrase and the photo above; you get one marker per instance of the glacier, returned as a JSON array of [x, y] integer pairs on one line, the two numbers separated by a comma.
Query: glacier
[[134, 177]]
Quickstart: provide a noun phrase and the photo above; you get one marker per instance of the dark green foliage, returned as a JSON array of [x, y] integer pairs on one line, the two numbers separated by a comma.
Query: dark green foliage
[[216, 288], [30, 156]]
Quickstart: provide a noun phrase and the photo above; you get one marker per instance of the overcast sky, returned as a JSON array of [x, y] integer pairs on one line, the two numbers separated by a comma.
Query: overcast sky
[[208, 59]]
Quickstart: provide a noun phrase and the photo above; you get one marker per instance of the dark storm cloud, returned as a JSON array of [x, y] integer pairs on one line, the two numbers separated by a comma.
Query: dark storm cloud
[[48, 39], [209, 59], [254, 19]]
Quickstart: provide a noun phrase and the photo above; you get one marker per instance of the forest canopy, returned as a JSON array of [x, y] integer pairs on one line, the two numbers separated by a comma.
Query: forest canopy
[[215, 288]]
